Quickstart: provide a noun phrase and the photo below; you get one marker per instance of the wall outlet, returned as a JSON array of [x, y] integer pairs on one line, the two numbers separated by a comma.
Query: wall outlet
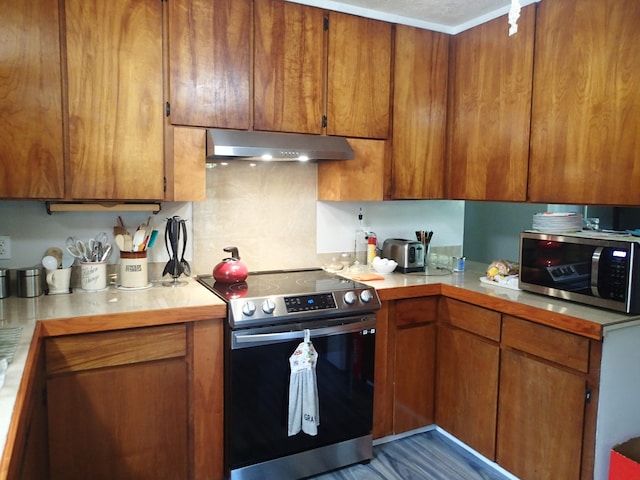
[[5, 247]]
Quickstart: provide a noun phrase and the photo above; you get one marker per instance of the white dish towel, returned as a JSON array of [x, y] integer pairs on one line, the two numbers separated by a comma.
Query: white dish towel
[[304, 412]]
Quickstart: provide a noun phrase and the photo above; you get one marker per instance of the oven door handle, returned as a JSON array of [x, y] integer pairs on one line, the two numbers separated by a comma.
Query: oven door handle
[[248, 339]]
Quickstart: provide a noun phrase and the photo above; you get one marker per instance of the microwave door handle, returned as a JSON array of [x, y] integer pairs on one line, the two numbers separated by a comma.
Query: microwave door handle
[[595, 269]]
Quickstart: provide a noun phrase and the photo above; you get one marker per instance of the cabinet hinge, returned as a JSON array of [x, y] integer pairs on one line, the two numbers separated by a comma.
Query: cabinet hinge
[[326, 24], [587, 395], [167, 109], [164, 184], [324, 121]]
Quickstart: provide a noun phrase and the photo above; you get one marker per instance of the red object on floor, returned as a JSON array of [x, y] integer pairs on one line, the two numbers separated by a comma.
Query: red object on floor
[[625, 461]]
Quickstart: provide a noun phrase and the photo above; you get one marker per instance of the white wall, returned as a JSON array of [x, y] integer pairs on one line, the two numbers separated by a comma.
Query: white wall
[[33, 231], [269, 212], [338, 221]]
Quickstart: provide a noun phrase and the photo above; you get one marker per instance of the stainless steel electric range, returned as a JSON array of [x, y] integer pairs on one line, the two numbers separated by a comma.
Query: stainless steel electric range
[[267, 317]]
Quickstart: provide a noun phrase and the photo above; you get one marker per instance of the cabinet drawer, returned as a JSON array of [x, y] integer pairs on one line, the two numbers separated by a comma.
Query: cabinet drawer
[[471, 318], [412, 311], [549, 343], [106, 349]]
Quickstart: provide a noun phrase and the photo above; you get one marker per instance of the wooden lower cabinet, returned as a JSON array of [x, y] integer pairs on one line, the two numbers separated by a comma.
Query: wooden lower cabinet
[[467, 388], [117, 404], [414, 363], [468, 363], [541, 417], [546, 419], [119, 422], [142, 403]]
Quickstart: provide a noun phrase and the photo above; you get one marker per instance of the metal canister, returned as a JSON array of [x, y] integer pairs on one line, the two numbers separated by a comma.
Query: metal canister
[[29, 282], [5, 291]]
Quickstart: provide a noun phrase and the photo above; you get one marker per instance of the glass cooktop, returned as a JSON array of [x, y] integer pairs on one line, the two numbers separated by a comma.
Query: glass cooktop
[[280, 282]]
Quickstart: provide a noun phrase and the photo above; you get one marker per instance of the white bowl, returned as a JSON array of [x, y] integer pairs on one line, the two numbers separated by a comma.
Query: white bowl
[[384, 265]]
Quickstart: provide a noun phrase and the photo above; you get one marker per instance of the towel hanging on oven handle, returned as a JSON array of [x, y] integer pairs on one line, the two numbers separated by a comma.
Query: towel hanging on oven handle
[[304, 411]]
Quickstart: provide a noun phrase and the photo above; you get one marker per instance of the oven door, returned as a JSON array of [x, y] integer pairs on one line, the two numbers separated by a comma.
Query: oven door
[[257, 387]]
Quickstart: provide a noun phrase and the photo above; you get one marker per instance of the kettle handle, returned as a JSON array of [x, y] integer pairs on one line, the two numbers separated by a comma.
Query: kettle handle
[[233, 251]]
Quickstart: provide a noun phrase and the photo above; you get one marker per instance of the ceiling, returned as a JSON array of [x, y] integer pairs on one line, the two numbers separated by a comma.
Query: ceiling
[[448, 16]]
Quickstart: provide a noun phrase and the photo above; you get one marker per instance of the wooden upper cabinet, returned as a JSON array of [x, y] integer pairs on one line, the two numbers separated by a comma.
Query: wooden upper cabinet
[[31, 146], [586, 103], [288, 67], [419, 113], [359, 77], [209, 62], [360, 179], [114, 64], [491, 110]]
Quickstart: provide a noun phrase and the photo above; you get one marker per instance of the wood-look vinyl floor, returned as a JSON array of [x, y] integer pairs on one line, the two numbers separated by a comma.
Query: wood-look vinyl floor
[[423, 456]]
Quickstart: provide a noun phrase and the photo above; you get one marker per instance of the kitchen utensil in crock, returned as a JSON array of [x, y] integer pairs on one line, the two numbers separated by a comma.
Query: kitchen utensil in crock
[[172, 239], [77, 248], [231, 269], [186, 268]]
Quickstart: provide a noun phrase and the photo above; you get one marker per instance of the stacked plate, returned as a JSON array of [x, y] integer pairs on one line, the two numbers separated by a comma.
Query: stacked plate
[[557, 222]]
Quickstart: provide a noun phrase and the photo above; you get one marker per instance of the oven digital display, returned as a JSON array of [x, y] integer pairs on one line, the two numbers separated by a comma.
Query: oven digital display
[[303, 303]]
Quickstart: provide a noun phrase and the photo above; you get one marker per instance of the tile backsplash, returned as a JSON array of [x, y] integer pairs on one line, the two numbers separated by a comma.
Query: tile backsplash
[[270, 212], [265, 209]]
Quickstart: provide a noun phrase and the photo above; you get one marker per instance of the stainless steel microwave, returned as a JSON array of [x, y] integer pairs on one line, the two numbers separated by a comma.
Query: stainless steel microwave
[[593, 268]]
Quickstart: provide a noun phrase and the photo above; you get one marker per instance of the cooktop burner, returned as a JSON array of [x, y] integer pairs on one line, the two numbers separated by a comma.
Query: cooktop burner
[[274, 296]]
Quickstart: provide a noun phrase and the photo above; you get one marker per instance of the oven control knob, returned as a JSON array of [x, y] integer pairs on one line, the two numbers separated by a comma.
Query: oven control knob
[[365, 296], [268, 306], [350, 298], [249, 308]]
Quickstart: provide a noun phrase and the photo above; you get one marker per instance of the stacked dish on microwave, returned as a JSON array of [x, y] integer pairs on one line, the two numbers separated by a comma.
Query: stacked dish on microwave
[[557, 222]]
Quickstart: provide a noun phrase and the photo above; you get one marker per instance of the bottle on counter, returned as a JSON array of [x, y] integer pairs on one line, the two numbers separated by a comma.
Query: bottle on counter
[[361, 242], [372, 242]]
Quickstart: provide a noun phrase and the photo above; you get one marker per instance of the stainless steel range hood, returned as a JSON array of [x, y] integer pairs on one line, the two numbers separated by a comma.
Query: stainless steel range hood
[[242, 145]]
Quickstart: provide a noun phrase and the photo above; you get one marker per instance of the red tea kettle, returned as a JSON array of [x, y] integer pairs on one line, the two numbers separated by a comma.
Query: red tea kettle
[[230, 270]]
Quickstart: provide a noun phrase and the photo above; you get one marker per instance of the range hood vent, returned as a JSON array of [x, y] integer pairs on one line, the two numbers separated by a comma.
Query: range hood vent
[[243, 145]]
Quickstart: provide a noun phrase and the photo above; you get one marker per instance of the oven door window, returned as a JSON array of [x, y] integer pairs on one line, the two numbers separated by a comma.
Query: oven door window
[[257, 405]]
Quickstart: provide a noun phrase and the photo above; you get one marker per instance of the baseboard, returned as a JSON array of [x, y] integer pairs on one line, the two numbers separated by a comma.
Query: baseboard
[[391, 438]]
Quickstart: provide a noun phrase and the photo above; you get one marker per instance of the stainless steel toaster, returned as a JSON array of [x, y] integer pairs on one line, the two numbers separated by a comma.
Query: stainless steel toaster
[[409, 254]]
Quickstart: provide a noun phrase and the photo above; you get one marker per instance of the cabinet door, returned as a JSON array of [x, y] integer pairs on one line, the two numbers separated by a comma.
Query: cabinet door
[[540, 419], [419, 113], [31, 152], [467, 388], [359, 76], [209, 62], [114, 63], [185, 168], [117, 404], [360, 179], [586, 103], [414, 366], [288, 67], [491, 110], [122, 422], [415, 360]]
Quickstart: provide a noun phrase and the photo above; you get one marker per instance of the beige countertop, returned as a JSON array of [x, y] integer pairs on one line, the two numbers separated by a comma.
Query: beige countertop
[[466, 286], [116, 309]]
